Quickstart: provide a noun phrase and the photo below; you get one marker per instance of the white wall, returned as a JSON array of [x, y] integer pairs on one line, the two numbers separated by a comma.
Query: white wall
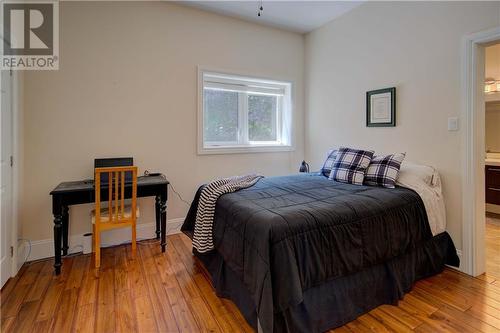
[[414, 46], [127, 86]]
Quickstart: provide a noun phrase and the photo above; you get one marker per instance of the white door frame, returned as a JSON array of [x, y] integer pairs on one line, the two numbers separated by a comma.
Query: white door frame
[[17, 152], [473, 200], [7, 124], [17, 105]]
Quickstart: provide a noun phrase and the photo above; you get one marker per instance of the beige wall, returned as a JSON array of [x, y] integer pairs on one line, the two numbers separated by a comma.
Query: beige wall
[[137, 61], [492, 70], [492, 126], [135, 65], [492, 61], [414, 46]]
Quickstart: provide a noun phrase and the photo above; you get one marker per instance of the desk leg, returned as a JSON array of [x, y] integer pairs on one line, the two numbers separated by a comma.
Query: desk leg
[[158, 215], [58, 221], [163, 208], [65, 223]]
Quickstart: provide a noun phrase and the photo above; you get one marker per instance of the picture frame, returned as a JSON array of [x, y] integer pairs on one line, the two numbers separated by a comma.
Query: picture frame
[[381, 107]]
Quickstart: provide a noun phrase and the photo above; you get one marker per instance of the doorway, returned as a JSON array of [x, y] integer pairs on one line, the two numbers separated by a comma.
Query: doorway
[[492, 159], [473, 259], [6, 176]]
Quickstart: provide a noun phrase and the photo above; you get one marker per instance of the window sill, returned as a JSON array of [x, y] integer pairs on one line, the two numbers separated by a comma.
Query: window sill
[[244, 149]]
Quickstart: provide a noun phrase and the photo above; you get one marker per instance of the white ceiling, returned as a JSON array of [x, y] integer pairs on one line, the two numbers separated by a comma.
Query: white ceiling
[[297, 16]]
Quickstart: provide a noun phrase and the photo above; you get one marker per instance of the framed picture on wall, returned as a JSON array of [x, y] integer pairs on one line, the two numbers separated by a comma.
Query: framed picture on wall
[[381, 108]]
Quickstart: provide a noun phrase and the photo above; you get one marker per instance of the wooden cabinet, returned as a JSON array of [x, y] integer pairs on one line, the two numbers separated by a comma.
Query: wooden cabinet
[[492, 182]]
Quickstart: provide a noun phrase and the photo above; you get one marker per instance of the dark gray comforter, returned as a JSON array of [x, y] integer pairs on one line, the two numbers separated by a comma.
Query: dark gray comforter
[[285, 235]]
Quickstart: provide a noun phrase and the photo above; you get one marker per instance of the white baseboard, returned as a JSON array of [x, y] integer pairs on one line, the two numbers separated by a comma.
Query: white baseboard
[[41, 249], [44, 248]]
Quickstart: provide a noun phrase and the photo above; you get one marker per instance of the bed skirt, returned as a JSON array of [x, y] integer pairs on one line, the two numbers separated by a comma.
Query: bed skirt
[[343, 299]]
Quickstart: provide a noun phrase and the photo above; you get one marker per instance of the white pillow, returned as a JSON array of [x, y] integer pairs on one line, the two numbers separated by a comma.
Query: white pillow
[[426, 182], [411, 172]]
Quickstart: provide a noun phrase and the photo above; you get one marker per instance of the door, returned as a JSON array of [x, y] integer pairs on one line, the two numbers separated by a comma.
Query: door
[[6, 146]]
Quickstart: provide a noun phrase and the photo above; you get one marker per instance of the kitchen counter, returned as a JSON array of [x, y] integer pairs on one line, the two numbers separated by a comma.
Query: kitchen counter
[[492, 161]]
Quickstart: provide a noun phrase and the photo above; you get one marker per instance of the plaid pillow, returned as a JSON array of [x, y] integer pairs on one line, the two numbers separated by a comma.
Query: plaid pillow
[[327, 166], [350, 165], [383, 170]]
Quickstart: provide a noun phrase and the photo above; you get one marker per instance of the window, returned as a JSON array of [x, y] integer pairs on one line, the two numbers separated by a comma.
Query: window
[[243, 114]]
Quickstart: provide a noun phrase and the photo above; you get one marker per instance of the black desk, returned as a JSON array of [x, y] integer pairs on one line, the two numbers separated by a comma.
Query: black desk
[[80, 192]]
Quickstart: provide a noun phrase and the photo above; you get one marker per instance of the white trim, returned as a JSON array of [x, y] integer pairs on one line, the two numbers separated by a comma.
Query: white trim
[[17, 121], [235, 87], [473, 154], [285, 130], [16, 125], [243, 149], [44, 248]]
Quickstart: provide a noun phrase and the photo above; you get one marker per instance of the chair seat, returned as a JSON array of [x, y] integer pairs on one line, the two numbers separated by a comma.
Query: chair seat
[[127, 213]]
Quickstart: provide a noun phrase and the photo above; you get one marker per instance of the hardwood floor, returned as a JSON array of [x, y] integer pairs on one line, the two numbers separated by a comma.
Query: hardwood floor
[[492, 238], [170, 292]]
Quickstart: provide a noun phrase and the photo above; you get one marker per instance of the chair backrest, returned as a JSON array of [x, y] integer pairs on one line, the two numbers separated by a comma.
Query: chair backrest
[[119, 187]]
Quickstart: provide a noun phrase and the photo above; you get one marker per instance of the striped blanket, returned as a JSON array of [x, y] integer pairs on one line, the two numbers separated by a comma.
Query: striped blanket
[[202, 238]]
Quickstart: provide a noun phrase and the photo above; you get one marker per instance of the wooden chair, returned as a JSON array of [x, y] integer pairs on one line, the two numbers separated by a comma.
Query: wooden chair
[[117, 214]]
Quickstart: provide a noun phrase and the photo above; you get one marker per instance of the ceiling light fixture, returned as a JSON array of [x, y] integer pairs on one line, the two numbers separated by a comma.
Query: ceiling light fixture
[[261, 8], [491, 85]]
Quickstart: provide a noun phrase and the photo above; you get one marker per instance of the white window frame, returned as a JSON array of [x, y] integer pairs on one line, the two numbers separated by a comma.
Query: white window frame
[[284, 114]]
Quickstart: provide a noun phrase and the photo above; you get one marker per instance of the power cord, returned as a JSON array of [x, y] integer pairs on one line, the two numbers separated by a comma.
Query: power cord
[[147, 173], [76, 247], [184, 201], [150, 241], [140, 241], [29, 248]]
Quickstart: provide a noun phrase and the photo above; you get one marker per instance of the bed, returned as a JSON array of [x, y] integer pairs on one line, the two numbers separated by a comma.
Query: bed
[[302, 253]]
